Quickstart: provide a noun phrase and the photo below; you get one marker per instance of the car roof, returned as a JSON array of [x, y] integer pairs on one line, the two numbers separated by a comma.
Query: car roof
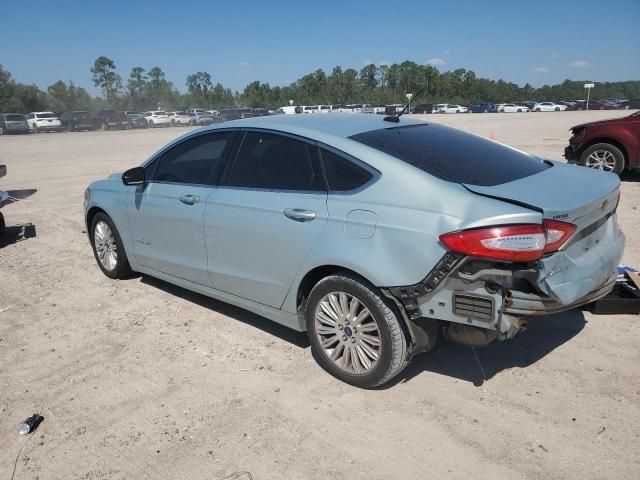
[[337, 125]]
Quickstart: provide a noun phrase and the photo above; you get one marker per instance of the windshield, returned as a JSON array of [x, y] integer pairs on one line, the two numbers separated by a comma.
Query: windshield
[[453, 155]]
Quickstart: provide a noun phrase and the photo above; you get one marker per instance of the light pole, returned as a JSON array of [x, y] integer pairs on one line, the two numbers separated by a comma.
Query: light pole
[[588, 87], [409, 97], [291, 103]]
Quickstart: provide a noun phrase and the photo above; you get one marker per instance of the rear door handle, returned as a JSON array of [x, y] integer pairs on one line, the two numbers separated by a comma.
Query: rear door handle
[[299, 214], [190, 199]]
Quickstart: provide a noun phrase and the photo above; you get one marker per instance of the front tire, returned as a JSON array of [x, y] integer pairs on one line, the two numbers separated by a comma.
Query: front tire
[[603, 156], [107, 247], [354, 331]]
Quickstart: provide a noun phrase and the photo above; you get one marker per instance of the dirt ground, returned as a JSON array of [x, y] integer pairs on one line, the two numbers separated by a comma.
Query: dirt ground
[[139, 379]]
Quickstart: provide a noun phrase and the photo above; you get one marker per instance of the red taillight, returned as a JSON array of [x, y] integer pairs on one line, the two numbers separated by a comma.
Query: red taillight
[[513, 243], [557, 234]]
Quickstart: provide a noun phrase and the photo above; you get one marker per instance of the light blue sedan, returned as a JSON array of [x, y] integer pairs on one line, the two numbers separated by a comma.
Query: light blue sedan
[[374, 236]]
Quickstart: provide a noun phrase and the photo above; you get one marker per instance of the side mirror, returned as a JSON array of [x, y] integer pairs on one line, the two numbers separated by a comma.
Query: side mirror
[[133, 176]]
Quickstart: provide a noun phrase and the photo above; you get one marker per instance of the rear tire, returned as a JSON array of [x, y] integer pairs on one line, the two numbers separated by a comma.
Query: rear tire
[[105, 241], [365, 359], [603, 156]]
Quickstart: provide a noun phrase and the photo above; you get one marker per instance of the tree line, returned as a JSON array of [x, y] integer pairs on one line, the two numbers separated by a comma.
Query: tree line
[[146, 89]]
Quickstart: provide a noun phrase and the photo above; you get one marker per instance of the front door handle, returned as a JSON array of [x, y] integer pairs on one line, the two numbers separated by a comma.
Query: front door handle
[[299, 214], [190, 199]]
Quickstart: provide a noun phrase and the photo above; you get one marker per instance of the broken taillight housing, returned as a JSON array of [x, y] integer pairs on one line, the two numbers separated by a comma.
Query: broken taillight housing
[[513, 243]]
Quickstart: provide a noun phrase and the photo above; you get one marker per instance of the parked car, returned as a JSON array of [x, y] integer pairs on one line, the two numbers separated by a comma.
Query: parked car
[[178, 118], [548, 107], [137, 120], [111, 119], [157, 118], [263, 112], [200, 117], [77, 120], [634, 103], [597, 105], [422, 108], [453, 108], [611, 145], [13, 123], [482, 107], [513, 108], [43, 122], [482, 238], [238, 113]]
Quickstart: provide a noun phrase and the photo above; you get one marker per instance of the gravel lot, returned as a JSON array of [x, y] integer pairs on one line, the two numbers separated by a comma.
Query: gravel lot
[[140, 379]]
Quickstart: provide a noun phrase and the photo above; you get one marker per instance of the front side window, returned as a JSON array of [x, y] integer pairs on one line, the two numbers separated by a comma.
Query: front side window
[[196, 161], [275, 162]]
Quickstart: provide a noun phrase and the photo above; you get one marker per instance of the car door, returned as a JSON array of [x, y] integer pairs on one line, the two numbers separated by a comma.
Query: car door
[[165, 214], [260, 226]]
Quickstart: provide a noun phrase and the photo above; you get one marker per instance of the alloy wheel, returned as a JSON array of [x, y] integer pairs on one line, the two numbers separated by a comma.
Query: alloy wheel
[[348, 333], [105, 244], [601, 160]]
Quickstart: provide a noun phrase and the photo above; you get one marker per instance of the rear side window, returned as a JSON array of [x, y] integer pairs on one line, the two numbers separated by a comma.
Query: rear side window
[[453, 155], [197, 160], [343, 174], [275, 162]]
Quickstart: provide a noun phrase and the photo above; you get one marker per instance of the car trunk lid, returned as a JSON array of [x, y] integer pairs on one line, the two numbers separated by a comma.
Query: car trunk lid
[[577, 195], [568, 193]]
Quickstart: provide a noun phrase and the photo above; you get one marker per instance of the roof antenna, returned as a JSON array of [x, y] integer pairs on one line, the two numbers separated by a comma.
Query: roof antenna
[[396, 118]]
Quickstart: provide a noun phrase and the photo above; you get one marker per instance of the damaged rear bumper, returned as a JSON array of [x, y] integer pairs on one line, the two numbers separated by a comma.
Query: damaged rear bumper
[[522, 304]]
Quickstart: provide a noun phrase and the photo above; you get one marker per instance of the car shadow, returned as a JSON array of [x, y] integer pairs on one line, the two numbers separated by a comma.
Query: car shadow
[[17, 195], [17, 233], [299, 339], [633, 176], [479, 365]]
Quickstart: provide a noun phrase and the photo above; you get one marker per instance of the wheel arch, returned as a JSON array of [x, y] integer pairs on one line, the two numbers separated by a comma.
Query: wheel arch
[[313, 276], [91, 213]]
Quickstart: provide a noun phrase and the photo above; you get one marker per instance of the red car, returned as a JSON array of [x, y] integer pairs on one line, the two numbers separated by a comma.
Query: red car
[[611, 145]]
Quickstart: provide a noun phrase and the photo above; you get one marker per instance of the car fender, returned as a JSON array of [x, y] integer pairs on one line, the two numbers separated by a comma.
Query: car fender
[[623, 136], [111, 197]]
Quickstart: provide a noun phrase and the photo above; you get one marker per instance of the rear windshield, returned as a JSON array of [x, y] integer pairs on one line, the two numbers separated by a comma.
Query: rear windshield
[[45, 115], [453, 155], [14, 118], [159, 113]]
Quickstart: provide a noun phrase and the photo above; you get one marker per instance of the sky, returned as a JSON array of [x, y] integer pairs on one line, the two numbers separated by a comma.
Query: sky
[[541, 42]]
